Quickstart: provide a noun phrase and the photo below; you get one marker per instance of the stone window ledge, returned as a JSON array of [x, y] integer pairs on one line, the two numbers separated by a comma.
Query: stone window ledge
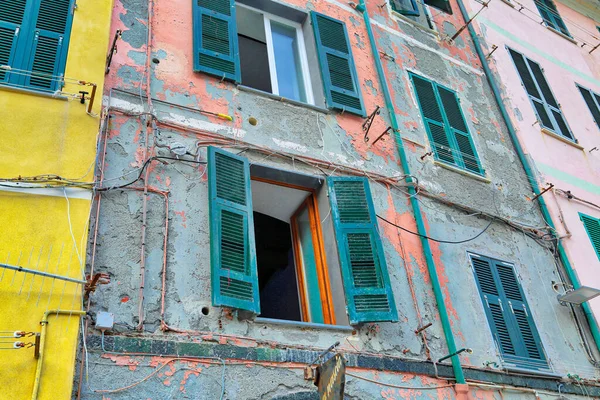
[[562, 138], [282, 99], [461, 171], [570, 39], [303, 325]]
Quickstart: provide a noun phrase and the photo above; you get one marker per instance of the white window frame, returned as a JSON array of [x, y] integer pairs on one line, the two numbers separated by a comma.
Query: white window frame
[[267, 18]]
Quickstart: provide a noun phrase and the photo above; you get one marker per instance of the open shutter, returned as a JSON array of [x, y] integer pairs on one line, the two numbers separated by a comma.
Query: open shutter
[[405, 7], [48, 51], [215, 39], [11, 21], [529, 349], [233, 254], [592, 227], [433, 119], [464, 148], [342, 90], [369, 295], [443, 5], [592, 100]]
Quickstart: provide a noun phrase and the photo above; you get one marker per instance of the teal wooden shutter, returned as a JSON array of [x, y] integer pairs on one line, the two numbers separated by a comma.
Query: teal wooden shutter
[[232, 249], [342, 90], [544, 103], [508, 314], [592, 100], [405, 7], [592, 227], [11, 29], [215, 39], [48, 45], [443, 5], [551, 17], [369, 295]]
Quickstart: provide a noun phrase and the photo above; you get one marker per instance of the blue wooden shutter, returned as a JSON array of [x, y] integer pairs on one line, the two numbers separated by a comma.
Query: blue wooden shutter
[[405, 7], [592, 227], [592, 100], [544, 103], [342, 90], [369, 295], [233, 254], [11, 29], [48, 45], [433, 119], [215, 39]]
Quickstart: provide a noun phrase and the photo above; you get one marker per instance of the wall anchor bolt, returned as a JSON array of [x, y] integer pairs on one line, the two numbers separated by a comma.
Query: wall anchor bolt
[[83, 93], [468, 350], [388, 130], [593, 149], [113, 50], [367, 124], [429, 153], [542, 192], [422, 328], [494, 48]]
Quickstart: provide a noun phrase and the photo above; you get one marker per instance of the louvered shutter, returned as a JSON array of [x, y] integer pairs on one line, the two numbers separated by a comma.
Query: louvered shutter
[[443, 5], [592, 227], [215, 39], [432, 116], [233, 254], [47, 54], [592, 101], [405, 7], [342, 90], [369, 295], [465, 149], [11, 21]]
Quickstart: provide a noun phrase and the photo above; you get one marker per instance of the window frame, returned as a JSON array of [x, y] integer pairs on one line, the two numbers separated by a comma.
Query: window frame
[[597, 220], [554, 15], [542, 101], [302, 54], [413, 13], [448, 129], [594, 96]]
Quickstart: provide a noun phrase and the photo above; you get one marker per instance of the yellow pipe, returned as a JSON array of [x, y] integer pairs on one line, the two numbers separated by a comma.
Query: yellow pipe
[[40, 362]]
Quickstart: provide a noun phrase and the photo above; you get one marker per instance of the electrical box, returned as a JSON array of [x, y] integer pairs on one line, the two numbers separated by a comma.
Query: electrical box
[[105, 320]]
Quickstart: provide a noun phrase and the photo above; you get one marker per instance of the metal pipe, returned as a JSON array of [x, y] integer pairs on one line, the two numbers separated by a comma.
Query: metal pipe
[[41, 273], [40, 362], [529, 171], [431, 268]]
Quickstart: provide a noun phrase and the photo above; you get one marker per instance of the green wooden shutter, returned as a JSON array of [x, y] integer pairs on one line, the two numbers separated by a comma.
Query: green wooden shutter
[[443, 5], [544, 103], [232, 248], [11, 21], [592, 227], [48, 45], [215, 39], [508, 314], [342, 90], [369, 295], [592, 100], [551, 17], [405, 7]]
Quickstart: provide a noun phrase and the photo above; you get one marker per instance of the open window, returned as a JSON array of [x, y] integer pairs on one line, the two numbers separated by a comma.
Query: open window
[[273, 255]]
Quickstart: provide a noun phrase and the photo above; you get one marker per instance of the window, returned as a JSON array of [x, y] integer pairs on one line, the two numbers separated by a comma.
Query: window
[[551, 17], [592, 227], [593, 102], [544, 104], [445, 125], [34, 39], [508, 314], [272, 54], [414, 10], [268, 252], [268, 52], [443, 5], [405, 7]]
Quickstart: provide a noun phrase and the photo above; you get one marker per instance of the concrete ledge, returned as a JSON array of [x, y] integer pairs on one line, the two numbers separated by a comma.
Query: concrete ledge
[[562, 138], [174, 347], [302, 325], [570, 39], [282, 99], [50, 95], [461, 171]]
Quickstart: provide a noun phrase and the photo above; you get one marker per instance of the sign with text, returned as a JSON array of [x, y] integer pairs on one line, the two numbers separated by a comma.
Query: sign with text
[[331, 378]]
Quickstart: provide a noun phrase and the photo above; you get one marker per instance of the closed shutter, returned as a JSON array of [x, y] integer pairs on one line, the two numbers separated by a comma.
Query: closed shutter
[[592, 227], [551, 17], [369, 295], [508, 315], [11, 21], [544, 103], [342, 90], [49, 44], [405, 7], [592, 100], [215, 39], [233, 254]]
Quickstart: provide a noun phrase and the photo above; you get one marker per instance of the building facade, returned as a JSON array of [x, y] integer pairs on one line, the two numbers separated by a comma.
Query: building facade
[[277, 177], [50, 52]]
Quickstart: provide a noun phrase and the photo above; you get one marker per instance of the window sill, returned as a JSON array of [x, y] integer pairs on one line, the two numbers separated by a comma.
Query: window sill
[[303, 325], [570, 39], [508, 2], [461, 171], [417, 25], [548, 373], [51, 95], [282, 99], [562, 138]]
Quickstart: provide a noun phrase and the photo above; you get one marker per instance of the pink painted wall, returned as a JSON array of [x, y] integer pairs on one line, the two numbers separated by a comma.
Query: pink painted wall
[[565, 63]]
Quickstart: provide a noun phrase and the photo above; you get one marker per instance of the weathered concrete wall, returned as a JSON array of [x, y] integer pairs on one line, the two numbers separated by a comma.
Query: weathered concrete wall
[[293, 138]]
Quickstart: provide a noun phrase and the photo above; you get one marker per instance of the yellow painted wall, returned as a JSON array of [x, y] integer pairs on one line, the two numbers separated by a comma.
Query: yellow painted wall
[[41, 135]]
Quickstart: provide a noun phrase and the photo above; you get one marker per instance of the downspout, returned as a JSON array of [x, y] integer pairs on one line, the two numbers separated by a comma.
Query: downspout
[[435, 282], [528, 170]]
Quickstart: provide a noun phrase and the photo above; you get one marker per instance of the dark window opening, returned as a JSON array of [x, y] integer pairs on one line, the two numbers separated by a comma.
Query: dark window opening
[[279, 298], [254, 63]]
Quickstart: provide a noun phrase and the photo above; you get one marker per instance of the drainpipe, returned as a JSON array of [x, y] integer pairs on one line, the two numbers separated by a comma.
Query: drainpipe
[[435, 282], [529, 171]]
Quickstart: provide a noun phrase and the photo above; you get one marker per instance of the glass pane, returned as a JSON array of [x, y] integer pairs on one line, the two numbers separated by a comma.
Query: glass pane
[[287, 62], [309, 266]]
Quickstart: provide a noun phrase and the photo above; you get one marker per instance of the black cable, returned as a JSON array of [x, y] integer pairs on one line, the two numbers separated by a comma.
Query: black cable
[[437, 240]]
